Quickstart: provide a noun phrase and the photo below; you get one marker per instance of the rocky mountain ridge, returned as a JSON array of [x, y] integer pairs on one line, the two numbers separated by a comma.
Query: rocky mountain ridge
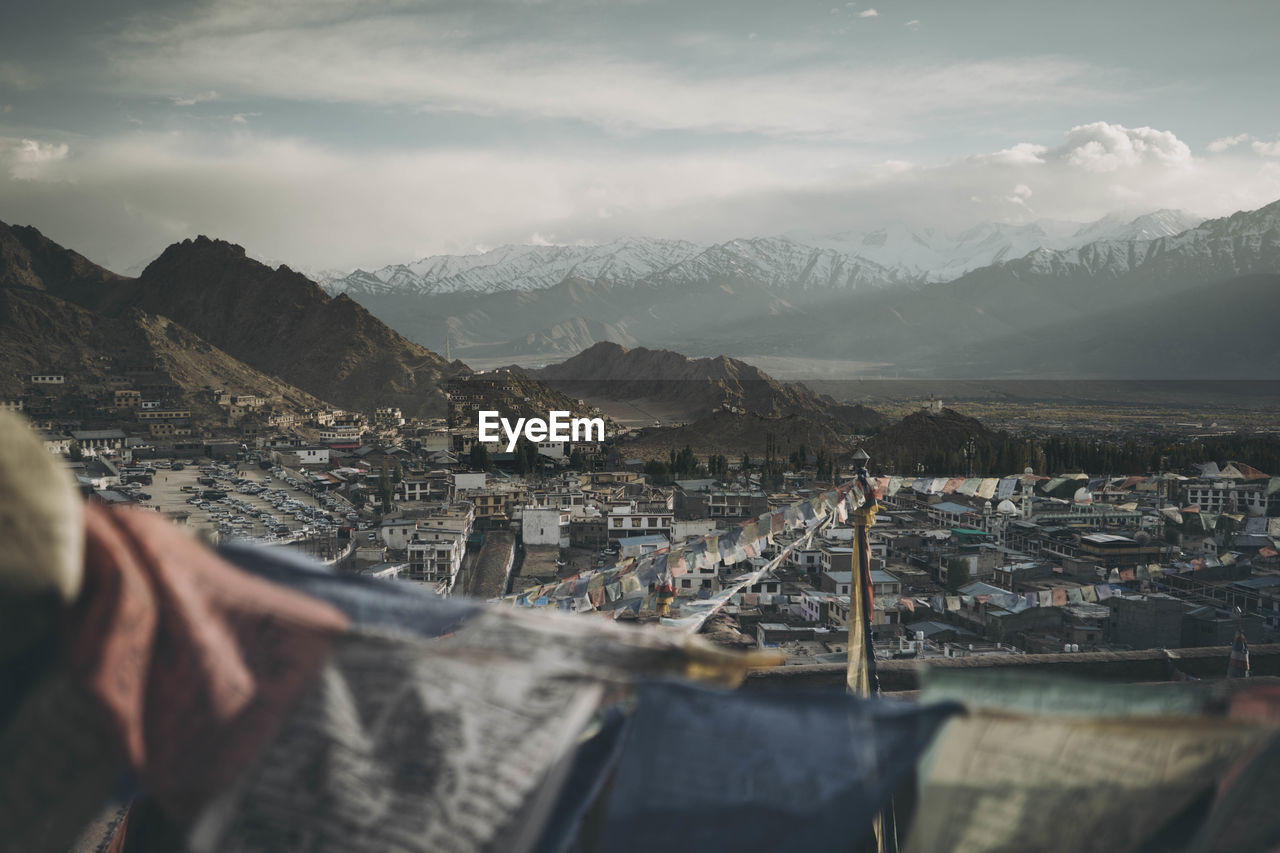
[[698, 387]]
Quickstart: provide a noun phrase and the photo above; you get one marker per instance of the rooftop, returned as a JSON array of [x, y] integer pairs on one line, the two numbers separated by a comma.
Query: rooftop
[[96, 434], [951, 508]]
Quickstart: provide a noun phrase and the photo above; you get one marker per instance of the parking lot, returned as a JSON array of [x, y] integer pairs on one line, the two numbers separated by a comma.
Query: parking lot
[[245, 502]]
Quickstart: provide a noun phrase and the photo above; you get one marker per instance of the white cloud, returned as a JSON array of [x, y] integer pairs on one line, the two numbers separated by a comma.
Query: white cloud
[[193, 99], [30, 159], [912, 24], [1267, 149], [120, 200], [868, 13], [1103, 147], [1021, 193], [312, 52], [1217, 146], [1024, 153]]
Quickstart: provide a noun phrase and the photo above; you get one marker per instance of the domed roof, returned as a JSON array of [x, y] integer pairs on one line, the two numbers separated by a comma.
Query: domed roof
[[1083, 496], [1007, 507]]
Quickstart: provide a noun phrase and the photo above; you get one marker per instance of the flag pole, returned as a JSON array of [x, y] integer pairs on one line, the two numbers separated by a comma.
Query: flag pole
[[861, 673], [861, 677]]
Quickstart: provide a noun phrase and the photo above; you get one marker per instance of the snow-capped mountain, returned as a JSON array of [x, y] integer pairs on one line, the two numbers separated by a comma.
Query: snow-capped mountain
[[1246, 242], [520, 268], [1117, 228], [780, 262], [930, 255], [933, 256], [890, 255], [786, 296]]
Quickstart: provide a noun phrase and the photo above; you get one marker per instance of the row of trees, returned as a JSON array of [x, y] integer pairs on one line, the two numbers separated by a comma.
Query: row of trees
[[1004, 454], [990, 455], [681, 465]]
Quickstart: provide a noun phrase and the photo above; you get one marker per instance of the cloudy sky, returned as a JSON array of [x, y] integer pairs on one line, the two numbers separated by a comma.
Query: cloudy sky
[[334, 133]]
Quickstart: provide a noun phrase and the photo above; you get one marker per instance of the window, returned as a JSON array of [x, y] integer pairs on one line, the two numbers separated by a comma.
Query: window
[[653, 522], [685, 583], [635, 522]]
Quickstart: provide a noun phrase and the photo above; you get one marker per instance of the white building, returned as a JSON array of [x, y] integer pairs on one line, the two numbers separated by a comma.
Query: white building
[[340, 433], [545, 526], [707, 578], [469, 482], [397, 533], [809, 559], [637, 546], [552, 449], [1248, 498], [633, 518], [95, 441], [435, 556], [312, 455], [682, 530]]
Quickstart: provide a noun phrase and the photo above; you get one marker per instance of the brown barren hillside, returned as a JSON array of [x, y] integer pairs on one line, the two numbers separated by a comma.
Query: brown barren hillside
[[697, 387], [41, 333], [938, 439], [274, 321], [281, 322]]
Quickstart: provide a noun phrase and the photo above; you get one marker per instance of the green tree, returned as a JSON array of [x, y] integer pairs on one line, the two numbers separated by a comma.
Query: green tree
[[658, 472], [384, 484], [684, 463], [480, 457], [718, 466]]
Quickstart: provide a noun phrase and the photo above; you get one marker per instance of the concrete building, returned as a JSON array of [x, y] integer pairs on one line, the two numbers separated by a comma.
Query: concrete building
[[635, 546], [545, 526], [96, 441], [1232, 496], [736, 504], [640, 518], [435, 556]]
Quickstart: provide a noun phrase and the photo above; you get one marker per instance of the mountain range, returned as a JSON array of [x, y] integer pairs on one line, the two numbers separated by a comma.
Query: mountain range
[[884, 256], [204, 316], [1135, 280]]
